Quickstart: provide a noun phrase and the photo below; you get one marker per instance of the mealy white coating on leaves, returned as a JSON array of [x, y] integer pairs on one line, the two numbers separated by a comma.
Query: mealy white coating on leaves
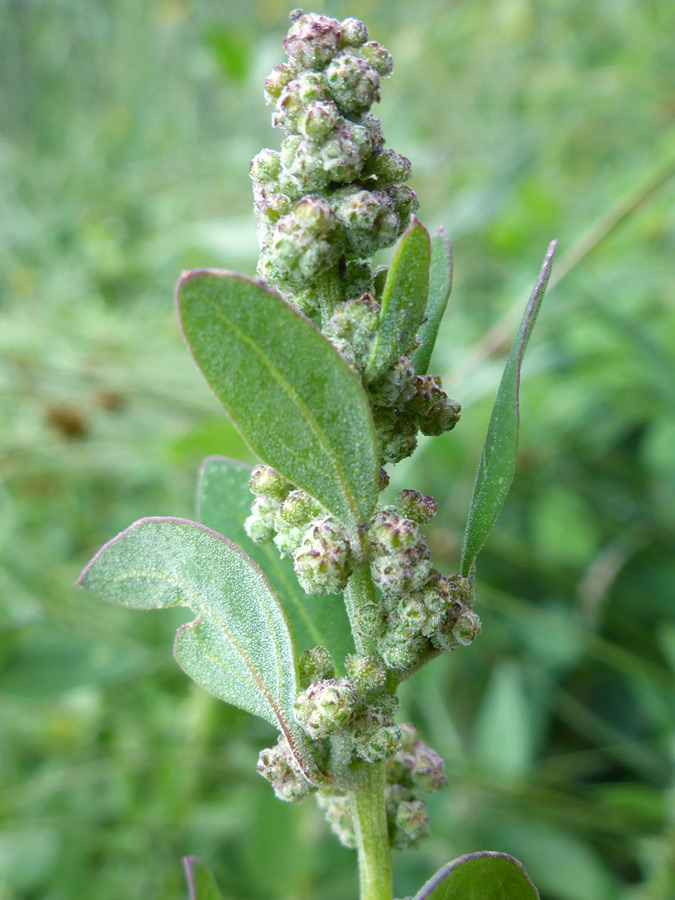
[[296, 403], [240, 647]]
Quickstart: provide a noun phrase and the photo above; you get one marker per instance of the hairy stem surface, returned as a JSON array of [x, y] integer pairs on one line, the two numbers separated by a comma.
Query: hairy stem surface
[[372, 836], [363, 609]]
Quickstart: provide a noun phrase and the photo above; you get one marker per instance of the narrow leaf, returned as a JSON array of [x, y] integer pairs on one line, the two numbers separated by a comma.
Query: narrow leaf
[[286, 388], [498, 462], [201, 883], [480, 876], [240, 646], [223, 503], [403, 301], [440, 285]]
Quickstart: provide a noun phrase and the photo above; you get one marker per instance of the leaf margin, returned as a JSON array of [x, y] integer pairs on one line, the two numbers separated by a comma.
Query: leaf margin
[[475, 538], [358, 515], [427, 889]]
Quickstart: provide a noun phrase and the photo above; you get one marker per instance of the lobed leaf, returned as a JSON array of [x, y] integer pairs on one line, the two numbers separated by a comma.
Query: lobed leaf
[[404, 300], [480, 876], [201, 883], [223, 503], [498, 461], [240, 646], [440, 286], [295, 401]]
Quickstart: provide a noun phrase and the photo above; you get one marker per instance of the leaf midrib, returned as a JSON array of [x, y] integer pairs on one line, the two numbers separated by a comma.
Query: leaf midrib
[[291, 393]]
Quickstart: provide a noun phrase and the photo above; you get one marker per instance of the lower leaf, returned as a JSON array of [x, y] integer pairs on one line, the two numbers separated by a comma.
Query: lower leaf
[[486, 875], [201, 883]]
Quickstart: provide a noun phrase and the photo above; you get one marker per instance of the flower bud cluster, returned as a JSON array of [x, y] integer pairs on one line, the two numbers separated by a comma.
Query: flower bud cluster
[[332, 193], [278, 765], [403, 402], [424, 610], [415, 766], [356, 709], [302, 528]]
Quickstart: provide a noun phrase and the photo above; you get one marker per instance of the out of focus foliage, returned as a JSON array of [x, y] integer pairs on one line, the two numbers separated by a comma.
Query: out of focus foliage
[[127, 131]]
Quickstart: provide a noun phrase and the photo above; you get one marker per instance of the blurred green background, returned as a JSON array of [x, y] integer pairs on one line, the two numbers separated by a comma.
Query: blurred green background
[[127, 128]]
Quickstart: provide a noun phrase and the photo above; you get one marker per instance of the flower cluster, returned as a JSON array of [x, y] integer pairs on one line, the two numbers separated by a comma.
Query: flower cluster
[[278, 765], [325, 203], [403, 402], [302, 528], [357, 708], [424, 610], [415, 766], [332, 193]]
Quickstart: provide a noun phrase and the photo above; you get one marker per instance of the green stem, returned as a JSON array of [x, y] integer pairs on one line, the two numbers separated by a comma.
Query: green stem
[[372, 834], [330, 293], [363, 608]]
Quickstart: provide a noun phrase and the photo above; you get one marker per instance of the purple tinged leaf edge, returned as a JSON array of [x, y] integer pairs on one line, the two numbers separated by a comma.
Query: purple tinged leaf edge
[[310, 771], [450, 867]]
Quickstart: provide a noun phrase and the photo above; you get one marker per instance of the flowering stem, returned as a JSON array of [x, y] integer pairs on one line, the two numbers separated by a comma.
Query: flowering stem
[[363, 609], [329, 294], [372, 836]]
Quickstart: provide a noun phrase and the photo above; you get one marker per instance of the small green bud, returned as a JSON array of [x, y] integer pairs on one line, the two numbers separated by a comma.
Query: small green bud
[[318, 120], [315, 665], [353, 83], [338, 813], [292, 519], [314, 215], [396, 386], [390, 532], [398, 651], [325, 706], [413, 619], [428, 769], [367, 672], [352, 329], [389, 167], [396, 434], [265, 166], [312, 41], [267, 482], [276, 81], [260, 524], [460, 629], [379, 58], [441, 418], [353, 33], [467, 628], [411, 824], [323, 560], [415, 506], [380, 745]]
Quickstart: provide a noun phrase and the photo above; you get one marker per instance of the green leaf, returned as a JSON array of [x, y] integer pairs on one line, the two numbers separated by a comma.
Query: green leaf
[[404, 300], [240, 646], [295, 401], [223, 503], [440, 285], [480, 876], [498, 462], [201, 883]]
